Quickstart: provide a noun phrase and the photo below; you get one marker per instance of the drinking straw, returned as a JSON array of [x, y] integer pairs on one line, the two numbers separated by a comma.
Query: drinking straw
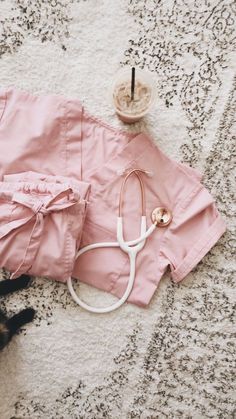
[[132, 83]]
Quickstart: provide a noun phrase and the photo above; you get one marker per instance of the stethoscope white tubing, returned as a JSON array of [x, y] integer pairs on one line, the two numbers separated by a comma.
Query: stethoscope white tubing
[[132, 253], [114, 306], [143, 236]]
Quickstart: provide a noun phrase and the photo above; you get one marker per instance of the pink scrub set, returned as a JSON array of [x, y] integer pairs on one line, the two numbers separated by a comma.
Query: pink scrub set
[[61, 172]]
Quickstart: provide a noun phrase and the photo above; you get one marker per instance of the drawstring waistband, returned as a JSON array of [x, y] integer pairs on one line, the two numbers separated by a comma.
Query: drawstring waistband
[[39, 211]]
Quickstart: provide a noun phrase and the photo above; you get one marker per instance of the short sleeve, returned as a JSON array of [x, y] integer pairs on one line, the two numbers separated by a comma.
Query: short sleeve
[[194, 230], [190, 171]]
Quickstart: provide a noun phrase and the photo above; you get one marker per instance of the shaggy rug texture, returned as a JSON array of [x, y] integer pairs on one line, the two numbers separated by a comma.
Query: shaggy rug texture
[[174, 359]]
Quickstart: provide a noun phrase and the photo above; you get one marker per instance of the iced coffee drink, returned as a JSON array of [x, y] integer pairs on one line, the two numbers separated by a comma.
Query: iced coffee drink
[[132, 107]]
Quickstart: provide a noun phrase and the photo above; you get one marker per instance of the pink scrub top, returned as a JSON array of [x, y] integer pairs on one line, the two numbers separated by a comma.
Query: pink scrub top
[[61, 171]]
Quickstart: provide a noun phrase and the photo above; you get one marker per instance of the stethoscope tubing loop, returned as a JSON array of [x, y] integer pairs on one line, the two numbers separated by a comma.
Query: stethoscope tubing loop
[[131, 248]]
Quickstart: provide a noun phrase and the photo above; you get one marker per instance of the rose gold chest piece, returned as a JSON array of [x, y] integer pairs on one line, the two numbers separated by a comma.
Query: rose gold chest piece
[[161, 217]]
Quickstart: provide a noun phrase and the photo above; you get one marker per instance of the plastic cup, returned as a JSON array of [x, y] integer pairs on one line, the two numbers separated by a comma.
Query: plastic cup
[[128, 110]]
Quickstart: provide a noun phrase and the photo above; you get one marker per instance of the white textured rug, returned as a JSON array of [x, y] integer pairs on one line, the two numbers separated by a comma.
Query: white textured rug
[[176, 358]]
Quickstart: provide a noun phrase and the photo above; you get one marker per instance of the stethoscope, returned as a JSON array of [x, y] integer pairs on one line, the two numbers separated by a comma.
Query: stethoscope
[[160, 217]]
